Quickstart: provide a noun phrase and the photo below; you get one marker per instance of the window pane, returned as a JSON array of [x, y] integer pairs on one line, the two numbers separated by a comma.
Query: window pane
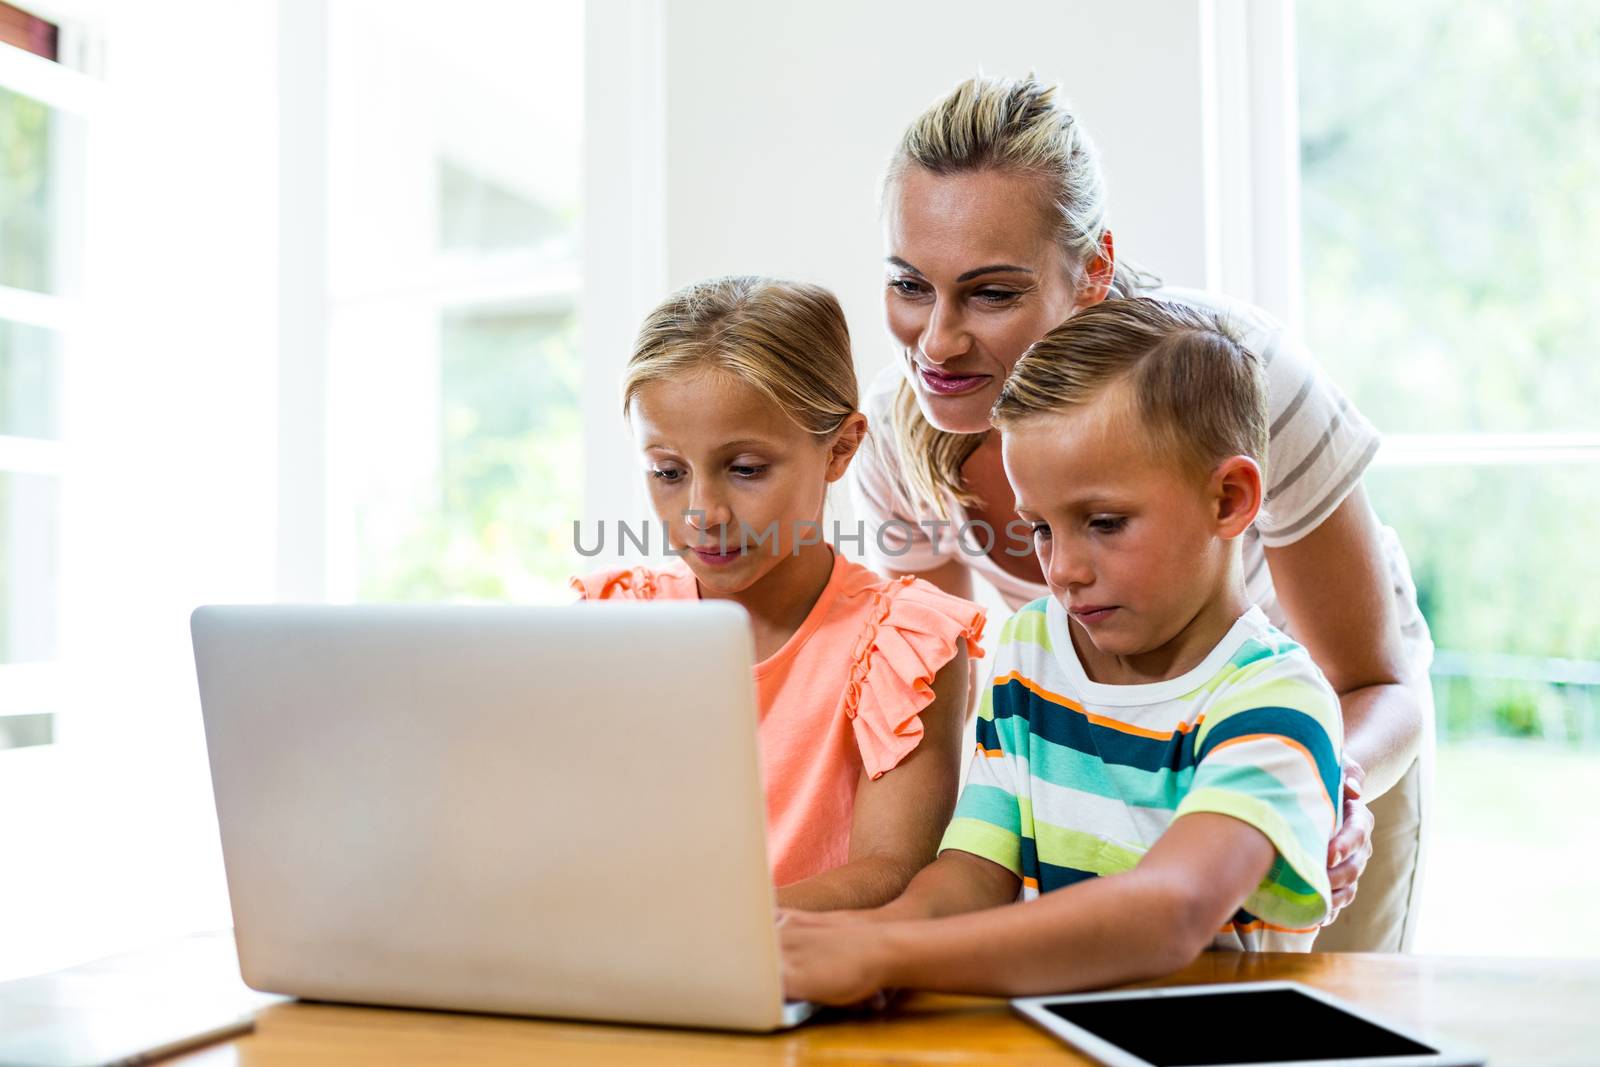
[[26, 132], [29, 381], [1451, 225], [510, 469], [29, 507]]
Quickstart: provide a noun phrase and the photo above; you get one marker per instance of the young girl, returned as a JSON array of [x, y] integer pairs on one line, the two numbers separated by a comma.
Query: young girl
[[742, 396]]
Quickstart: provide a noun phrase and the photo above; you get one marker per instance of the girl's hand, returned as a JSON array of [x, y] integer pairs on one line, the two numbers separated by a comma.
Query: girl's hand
[[1351, 847], [832, 963]]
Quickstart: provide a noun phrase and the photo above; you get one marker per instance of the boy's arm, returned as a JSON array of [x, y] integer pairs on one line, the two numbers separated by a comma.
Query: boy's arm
[[1146, 922]]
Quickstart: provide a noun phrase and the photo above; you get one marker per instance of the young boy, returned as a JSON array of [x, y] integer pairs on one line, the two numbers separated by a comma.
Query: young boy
[[1158, 768]]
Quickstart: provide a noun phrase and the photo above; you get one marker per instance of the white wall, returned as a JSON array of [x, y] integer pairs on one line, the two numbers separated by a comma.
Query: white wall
[[776, 120]]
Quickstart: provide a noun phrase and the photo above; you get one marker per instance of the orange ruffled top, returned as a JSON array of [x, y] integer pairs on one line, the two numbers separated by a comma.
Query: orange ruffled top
[[843, 695]]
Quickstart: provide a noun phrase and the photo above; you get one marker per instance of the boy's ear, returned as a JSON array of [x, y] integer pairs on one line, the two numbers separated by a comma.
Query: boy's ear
[[1236, 490], [846, 440]]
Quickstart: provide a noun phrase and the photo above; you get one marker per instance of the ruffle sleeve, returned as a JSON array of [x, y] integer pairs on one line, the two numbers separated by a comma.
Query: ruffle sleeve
[[625, 583], [913, 630]]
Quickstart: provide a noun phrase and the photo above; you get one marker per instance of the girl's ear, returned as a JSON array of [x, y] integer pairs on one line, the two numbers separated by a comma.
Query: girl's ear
[[1236, 490], [846, 440]]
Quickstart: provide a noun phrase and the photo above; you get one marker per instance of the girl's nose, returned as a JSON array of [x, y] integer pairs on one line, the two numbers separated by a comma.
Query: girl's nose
[[707, 511]]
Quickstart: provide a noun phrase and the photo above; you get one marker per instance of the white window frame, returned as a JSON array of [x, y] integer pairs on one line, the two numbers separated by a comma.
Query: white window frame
[[31, 688]]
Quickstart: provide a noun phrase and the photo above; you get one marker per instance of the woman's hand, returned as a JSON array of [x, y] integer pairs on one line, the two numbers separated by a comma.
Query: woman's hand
[[831, 962], [1351, 847]]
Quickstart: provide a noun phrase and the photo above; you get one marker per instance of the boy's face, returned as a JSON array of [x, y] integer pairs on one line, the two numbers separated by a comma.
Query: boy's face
[[1129, 541]]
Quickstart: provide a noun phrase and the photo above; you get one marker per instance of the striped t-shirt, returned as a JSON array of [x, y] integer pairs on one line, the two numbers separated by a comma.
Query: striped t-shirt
[[1073, 779]]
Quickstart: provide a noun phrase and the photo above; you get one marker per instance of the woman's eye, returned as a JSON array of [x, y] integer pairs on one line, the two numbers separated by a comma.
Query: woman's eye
[[666, 474], [747, 470], [1041, 531], [905, 286], [1108, 523], [996, 296]]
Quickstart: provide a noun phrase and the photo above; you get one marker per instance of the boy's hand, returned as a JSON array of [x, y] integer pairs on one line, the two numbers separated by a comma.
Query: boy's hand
[[1351, 847], [831, 962], [837, 917]]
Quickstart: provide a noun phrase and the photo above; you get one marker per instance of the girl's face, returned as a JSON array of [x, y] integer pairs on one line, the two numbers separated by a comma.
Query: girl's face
[[974, 276], [735, 480]]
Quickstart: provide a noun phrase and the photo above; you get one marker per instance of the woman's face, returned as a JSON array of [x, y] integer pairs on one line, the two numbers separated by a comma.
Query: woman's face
[[974, 276]]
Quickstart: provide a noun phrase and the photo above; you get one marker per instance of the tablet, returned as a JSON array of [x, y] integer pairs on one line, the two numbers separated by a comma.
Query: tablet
[[1261, 1023]]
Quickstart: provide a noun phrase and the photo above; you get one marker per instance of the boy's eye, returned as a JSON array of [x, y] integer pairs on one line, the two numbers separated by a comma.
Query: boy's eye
[[1108, 523]]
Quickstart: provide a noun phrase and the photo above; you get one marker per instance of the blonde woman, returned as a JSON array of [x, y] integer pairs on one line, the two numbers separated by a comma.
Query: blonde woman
[[996, 231]]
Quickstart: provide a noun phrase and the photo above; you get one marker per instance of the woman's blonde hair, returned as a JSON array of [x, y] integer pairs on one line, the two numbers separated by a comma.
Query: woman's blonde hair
[[786, 340], [1016, 125], [1201, 395]]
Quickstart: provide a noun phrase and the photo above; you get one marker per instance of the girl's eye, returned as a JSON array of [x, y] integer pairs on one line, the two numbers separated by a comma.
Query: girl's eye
[[747, 471], [1041, 531], [666, 474], [1108, 523]]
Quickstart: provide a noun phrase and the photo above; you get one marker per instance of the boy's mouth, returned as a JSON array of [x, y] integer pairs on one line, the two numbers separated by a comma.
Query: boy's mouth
[[952, 384], [1090, 614]]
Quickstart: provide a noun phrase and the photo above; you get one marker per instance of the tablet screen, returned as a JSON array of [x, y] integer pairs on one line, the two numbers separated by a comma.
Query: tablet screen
[[1264, 1026]]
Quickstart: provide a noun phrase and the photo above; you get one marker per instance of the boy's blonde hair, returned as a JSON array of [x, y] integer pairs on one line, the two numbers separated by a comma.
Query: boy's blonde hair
[[1200, 394], [787, 340], [1019, 126]]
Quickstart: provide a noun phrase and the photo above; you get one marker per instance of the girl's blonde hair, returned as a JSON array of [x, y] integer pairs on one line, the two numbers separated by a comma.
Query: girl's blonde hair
[[1016, 125], [786, 340], [1201, 394]]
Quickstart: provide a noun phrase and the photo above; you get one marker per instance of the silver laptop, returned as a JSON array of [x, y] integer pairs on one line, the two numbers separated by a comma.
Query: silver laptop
[[534, 811]]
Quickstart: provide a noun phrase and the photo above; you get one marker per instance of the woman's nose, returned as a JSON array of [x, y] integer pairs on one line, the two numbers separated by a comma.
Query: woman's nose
[[944, 337]]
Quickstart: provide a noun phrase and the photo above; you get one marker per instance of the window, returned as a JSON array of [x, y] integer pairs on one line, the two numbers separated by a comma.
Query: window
[[1450, 192], [453, 187], [41, 138]]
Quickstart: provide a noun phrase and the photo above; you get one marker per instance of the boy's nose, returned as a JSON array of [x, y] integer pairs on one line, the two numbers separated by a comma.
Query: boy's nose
[[1068, 569]]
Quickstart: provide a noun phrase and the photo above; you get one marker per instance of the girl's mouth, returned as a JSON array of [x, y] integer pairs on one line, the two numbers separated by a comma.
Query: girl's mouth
[[952, 384], [717, 558]]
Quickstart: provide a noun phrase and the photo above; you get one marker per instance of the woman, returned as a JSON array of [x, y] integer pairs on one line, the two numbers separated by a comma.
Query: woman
[[996, 231]]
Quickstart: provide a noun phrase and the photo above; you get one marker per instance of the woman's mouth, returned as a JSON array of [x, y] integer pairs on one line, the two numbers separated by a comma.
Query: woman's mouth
[[952, 384]]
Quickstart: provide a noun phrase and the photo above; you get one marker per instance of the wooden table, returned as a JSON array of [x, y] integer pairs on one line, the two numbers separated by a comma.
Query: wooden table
[[1515, 1011]]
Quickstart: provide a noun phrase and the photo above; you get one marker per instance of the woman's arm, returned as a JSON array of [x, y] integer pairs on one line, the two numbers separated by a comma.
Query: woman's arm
[[900, 816], [1334, 587], [1147, 922]]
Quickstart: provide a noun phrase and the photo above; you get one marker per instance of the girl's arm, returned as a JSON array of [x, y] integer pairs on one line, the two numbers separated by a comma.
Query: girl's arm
[[953, 576], [900, 816], [1150, 921]]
